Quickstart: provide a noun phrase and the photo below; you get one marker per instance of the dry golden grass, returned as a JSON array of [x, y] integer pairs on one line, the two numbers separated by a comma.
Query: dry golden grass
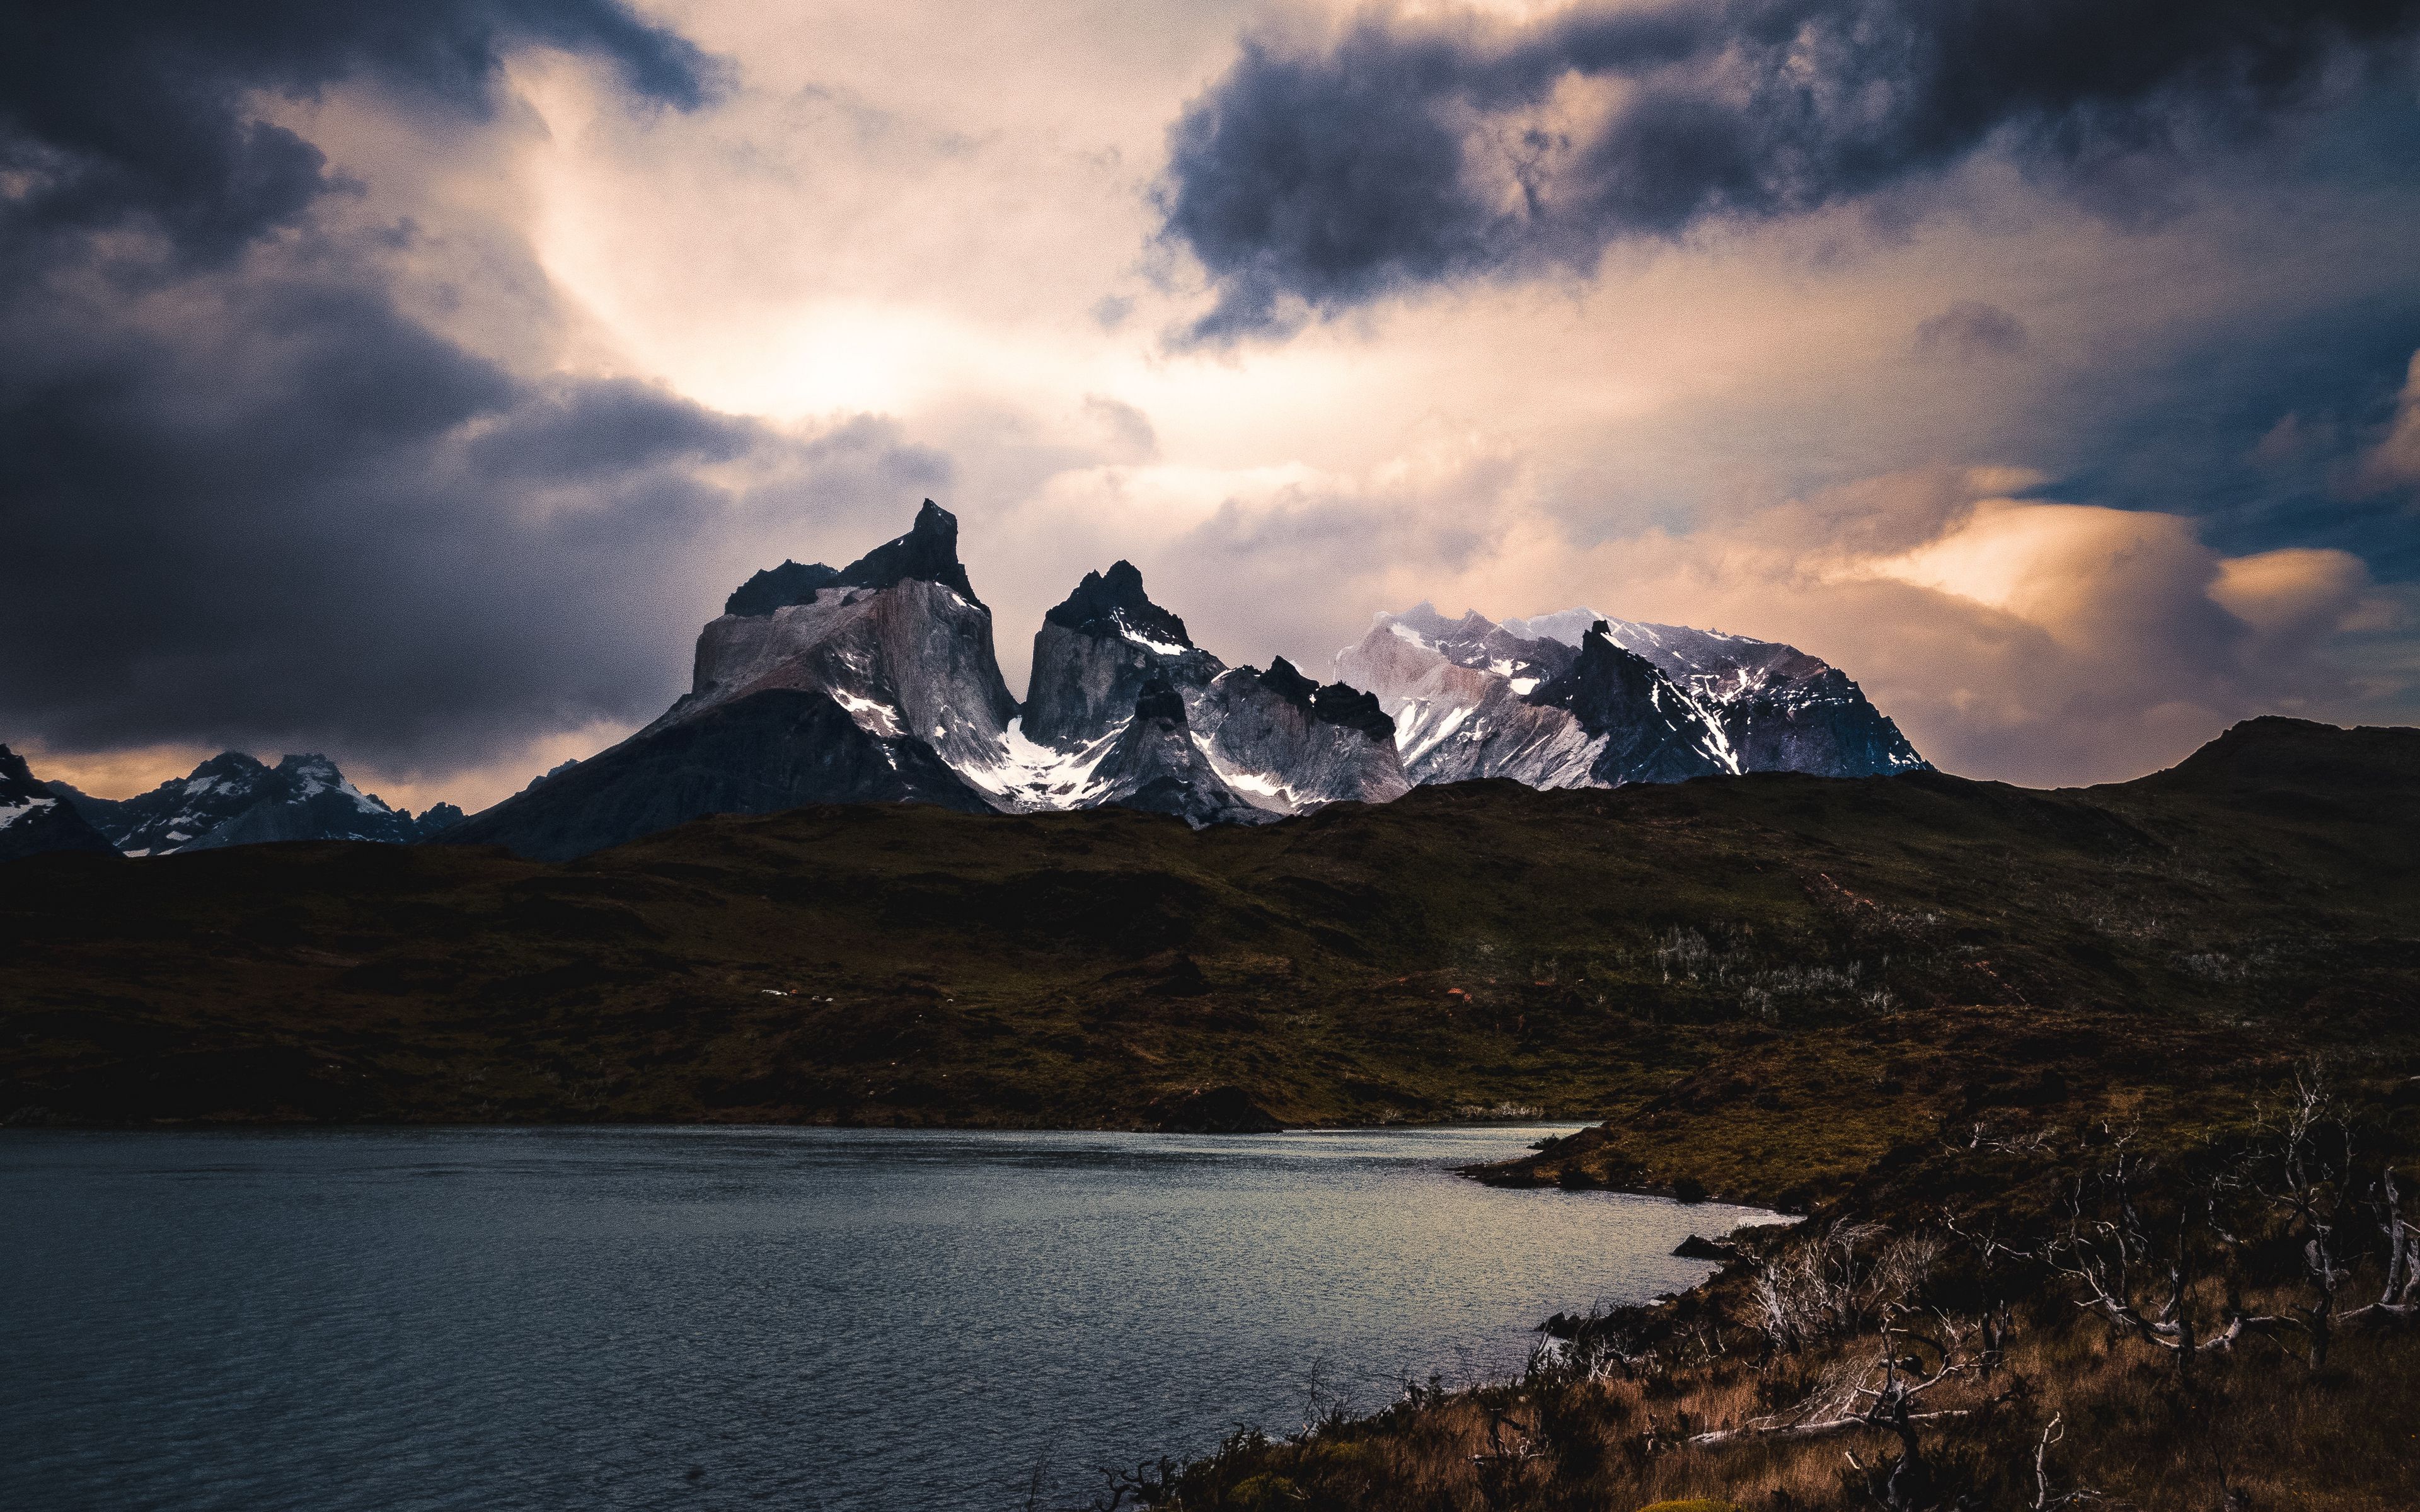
[[2346, 1438]]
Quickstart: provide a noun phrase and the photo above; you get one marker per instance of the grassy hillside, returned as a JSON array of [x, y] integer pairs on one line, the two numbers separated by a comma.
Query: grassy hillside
[[1466, 949]]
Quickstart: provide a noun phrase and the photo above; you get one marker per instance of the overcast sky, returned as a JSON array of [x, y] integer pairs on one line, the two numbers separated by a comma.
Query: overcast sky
[[410, 383]]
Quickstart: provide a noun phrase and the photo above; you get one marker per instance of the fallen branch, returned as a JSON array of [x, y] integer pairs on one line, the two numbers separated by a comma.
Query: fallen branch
[[1809, 1431]]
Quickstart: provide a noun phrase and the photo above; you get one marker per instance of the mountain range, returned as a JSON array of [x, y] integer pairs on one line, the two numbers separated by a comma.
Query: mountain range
[[877, 682], [235, 799]]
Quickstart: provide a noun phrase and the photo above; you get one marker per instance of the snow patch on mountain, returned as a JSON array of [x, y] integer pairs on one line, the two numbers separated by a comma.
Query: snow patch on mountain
[[35, 818], [1030, 777], [872, 715], [235, 799], [1165, 648]]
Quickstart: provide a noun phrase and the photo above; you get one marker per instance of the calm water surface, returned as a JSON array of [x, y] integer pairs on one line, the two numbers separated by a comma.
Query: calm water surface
[[806, 1318]]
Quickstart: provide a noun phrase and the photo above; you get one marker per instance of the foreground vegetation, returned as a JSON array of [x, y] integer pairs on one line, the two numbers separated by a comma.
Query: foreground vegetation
[[1465, 951]]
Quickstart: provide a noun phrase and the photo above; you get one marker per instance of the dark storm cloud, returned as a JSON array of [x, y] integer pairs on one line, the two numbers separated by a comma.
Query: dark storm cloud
[[1411, 152], [121, 108], [374, 540], [246, 499]]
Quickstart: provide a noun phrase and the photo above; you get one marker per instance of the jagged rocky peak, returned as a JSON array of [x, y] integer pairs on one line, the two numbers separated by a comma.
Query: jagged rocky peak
[[35, 818], [1093, 653], [1781, 709], [1113, 602], [1474, 640], [1287, 744], [792, 582], [1765, 706], [875, 684], [306, 798], [897, 638], [1704, 661], [1459, 714], [1646, 728], [236, 799], [1338, 703], [1156, 766], [927, 553], [178, 812], [228, 772]]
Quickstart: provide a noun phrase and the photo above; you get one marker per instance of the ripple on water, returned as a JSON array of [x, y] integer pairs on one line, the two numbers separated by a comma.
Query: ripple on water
[[708, 1318]]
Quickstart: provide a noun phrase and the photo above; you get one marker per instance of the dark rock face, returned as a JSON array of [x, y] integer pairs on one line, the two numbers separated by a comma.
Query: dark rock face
[[1113, 602], [774, 750], [1456, 687], [792, 582], [1287, 745], [1457, 720], [1648, 731], [1820, 725], [880, 686], [437, 819], [34, 819], [1156, 768], [175, 814], [102, 813], [1780, 709], [928, 551], [1096, 650], [1276, 740], [913, 660], [233, 800], [1336, 703]]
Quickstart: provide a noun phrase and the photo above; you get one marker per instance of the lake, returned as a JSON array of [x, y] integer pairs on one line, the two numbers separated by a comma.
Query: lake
[[808, 1319]]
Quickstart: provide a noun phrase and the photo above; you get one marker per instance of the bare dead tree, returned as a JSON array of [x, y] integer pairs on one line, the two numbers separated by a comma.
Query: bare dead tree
[[1146, 1485], [2314, 1183], [2310, 1164], [1997, 1317], [2308, 1174], [1838, 1282], [1512, 1444], [1823, 1286], [2053, 1433], [2144, 1279], [2399, 1298]]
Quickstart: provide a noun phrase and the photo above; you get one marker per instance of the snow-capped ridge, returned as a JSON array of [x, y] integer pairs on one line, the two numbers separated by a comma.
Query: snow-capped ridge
[[1755, 705], [235, 799], [879, 682], [35, 818]]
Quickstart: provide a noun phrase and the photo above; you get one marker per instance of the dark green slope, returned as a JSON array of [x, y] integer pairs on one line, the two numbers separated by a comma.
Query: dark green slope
[[1465, 948]]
